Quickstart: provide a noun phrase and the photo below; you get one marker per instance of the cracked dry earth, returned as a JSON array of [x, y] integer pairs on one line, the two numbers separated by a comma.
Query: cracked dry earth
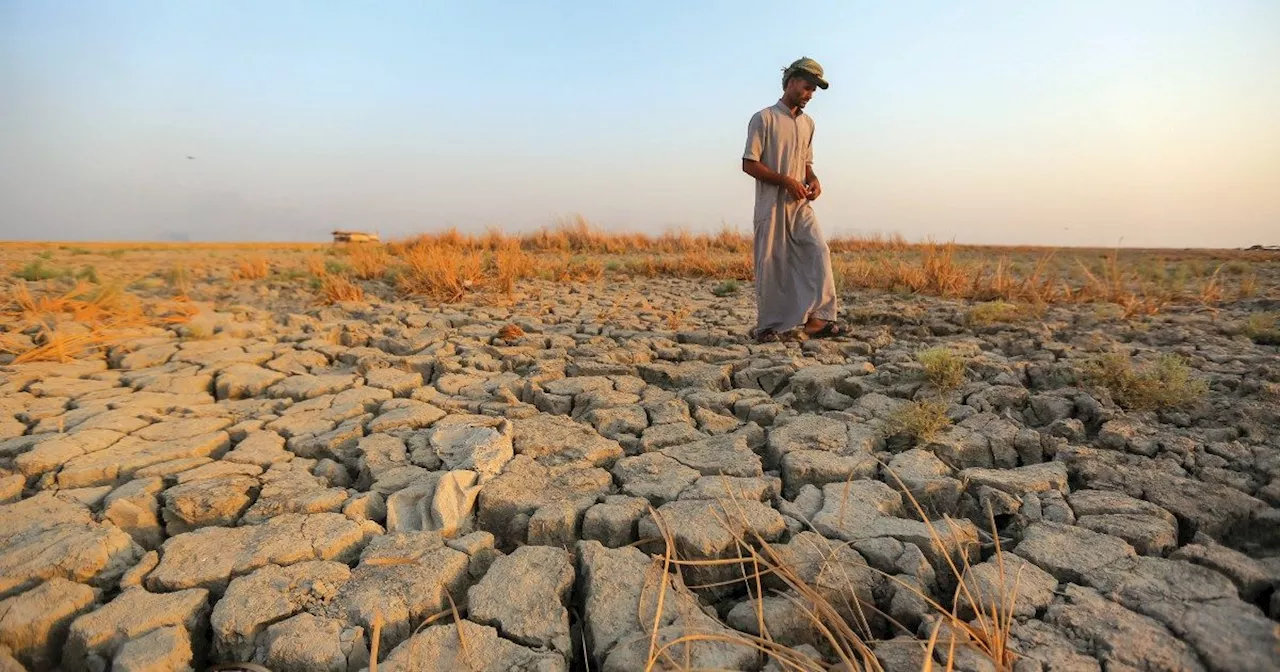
[[262, 485]]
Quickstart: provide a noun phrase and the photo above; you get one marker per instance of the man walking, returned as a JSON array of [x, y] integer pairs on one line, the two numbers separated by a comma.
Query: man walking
[[794, 284]]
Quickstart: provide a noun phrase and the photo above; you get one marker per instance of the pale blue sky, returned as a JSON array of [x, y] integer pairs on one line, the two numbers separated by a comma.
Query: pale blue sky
[[1082, 122]]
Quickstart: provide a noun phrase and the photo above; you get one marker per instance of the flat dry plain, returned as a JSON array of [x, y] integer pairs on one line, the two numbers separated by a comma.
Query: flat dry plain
[[563, 451]]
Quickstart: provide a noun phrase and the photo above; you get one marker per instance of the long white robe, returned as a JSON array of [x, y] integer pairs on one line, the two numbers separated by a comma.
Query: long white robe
[[792, 261]]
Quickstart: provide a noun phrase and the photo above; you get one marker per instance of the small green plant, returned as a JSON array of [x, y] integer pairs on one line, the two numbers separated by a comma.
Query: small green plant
[[919, 420], [116, 254], [942, 367], [36, 270], [1162, 384], [1237, 267], [88, 274], [79, 252], [994, 312], [46, 255], [333, 267], [727, 287], [1263, 328]]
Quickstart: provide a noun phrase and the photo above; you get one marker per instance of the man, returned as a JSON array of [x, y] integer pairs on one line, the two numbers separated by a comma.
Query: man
[[794, 284]]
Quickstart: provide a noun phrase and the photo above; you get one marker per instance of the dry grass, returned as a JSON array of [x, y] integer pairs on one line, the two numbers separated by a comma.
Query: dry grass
[[251, 268], [368, 262], [1263, 328], [677, 317], [831, 605], [440, 273], [315, 265], [450, 265], [727, 288], [49, 326], [1165, 383], [998, 312], [337, 288], [510, 265]]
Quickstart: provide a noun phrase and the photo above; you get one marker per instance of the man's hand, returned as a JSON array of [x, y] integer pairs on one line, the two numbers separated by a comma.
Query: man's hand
[[796, 189], [815, 189], [791, 185]]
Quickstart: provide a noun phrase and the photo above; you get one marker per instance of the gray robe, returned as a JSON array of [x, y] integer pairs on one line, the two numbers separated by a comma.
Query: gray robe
[[792, 261]]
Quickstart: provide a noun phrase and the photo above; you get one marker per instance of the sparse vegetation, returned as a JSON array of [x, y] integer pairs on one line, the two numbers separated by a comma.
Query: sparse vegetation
[[337, 288], [830, 601], [439, 273], [942, 367], [88, 274], [677, 317], [727, 288], [1263, 328], [50, 326], [36, 271], [252, 268], [368, 262], [996, 312], [334, 267], [1164, 383], [919, 420]]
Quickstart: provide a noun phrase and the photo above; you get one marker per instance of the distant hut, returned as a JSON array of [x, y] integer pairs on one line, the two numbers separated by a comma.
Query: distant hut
[[341, 236]]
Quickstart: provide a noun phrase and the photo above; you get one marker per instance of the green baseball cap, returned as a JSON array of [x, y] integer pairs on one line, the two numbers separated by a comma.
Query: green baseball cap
[[810, 66]]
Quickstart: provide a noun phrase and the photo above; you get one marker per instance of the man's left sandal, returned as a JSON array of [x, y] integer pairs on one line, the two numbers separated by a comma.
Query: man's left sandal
[[828, 330]]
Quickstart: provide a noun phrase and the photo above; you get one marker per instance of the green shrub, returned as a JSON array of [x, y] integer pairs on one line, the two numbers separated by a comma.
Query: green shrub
[[1165, 383]]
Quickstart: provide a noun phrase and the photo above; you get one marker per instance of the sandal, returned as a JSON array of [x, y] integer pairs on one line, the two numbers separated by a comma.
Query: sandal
[[828, 330], [767, 336]]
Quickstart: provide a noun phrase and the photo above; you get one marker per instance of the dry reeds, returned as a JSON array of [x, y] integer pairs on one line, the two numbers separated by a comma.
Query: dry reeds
[[440, 272], [88, 318], [832, 607], [336, 288], [368, 262], [251, 268]]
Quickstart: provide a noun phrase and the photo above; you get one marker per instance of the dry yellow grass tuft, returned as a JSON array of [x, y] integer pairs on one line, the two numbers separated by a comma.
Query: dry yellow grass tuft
[[832, 606], [84, 320], [439, 272], [368, 262], [337, 288], [510, 265], [315, 265], [252, 268]]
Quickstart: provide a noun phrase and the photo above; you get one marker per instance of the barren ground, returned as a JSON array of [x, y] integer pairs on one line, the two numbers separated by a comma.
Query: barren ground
[[233, 464]]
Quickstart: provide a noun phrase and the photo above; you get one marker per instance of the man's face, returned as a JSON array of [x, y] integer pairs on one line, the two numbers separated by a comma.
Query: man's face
[[799, 91]]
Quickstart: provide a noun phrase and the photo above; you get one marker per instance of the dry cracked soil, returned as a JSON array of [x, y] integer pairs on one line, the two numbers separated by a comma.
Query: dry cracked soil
[[495, 487]]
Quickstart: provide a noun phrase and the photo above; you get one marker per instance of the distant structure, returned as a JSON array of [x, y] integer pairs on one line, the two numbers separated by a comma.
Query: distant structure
[[341, 236]]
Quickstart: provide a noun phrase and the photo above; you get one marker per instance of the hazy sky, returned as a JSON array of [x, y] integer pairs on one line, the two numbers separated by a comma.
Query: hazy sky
[[1074, 122]]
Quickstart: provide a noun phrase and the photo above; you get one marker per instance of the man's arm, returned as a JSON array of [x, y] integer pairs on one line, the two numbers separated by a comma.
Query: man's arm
[[764, 174]]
